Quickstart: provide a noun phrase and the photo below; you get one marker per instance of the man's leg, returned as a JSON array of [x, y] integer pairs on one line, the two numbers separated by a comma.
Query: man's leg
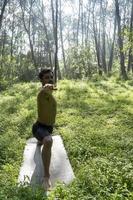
[[46, 157]]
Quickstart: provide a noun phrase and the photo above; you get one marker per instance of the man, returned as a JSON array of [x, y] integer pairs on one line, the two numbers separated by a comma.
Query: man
[[42, 129]]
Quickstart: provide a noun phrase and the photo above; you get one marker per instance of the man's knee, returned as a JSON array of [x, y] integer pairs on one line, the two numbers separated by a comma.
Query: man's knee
[[47, 141]]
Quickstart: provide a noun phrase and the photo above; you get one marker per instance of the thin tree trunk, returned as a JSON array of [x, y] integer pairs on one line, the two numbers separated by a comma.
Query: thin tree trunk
[[53, 18], [28, 31], [120, 42], [97, 47], [82, 22], [103, 50], [104, 53], [12, 36], [2, 12], [87, 28], [47, 37], [55, 33], [62, 44], [112, 49], [78, 24], [130, 54], [3, 48]]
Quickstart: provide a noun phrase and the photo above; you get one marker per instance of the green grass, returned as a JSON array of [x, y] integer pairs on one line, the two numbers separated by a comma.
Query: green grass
[[95, 120]]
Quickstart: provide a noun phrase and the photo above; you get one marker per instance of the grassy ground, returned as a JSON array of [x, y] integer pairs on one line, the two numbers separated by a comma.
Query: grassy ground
[[95, 120]]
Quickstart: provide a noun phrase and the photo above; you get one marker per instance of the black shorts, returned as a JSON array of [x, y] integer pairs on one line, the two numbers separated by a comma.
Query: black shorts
[[41, 130]]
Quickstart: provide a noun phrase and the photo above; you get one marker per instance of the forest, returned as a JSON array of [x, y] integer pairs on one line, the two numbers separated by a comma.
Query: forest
[[77, 39], [88, 44]]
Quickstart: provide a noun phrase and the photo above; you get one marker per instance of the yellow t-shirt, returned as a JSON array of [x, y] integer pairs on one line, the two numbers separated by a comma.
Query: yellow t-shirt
[[46, 105]]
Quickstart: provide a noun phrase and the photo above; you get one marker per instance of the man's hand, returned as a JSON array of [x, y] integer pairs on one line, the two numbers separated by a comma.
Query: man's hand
[[48, 87]]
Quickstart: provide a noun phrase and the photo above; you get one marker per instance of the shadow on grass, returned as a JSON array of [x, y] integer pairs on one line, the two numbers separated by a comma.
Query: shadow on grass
[[103, 104]]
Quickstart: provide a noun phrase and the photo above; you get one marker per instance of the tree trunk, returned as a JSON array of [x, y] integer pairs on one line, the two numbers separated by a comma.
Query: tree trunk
[[97, 47], [2, 12], [55, 33], [103, 8], [47, 37], [28, 31], [3, 49], [56, 42], [130, 54], [104, 53], [87, 28], [112, 49], [120, 42], [12, 36], [62, 44], [78, 24], [82, 22]]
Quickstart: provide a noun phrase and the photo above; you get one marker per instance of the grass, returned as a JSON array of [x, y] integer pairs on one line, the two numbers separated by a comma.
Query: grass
[[95, 120]]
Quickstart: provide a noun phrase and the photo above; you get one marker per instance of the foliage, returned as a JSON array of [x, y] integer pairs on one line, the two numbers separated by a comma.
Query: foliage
[[87, 37], [79, 60], [95, 121], [14, 69]]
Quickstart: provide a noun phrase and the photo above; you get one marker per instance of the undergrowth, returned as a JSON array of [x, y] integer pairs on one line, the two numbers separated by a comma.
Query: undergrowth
[[95, 120]]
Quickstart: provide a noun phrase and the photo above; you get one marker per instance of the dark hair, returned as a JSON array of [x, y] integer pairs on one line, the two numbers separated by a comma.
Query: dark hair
[[44, 71]]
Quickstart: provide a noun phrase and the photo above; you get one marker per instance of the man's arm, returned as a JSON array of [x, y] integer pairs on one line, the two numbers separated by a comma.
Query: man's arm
[[48, 87]]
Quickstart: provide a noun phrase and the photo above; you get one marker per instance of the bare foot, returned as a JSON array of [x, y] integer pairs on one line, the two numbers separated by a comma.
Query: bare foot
[[47, 184]]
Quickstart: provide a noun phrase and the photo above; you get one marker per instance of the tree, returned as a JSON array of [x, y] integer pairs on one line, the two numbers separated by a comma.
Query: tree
[[110, 63], [27, 24], [103, 41], [61, 38], [120, 41], [130, 54], [47, 36], [55, 33], [97, 42], [2, 11]]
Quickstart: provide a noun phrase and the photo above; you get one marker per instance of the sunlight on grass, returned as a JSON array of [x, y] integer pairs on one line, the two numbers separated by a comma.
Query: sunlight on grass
[[95, 120]]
